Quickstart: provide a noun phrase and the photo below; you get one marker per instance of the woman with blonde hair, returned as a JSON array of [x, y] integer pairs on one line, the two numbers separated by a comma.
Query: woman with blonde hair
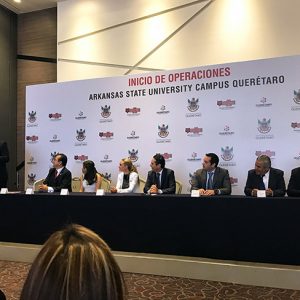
[[74, 264], [90, 181], [128, 178]]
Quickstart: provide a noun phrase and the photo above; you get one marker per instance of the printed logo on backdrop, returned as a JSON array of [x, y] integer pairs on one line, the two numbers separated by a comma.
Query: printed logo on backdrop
[[32, 139], [295, 126], [133, 136], [133, 155], [234, 181], [54, 139], [163, 110], [227, 157], [31, 161], [32, 119], [80, 137], [263, 103], [80, 116], [31, 178], [106, 136], [296, 100], [55, 117], [52, 155], [191, 176], [266, 152], [106, 159], [105, 114], [264, 128], [167, 156], [163, 132], [226, 131], [80, 158], [194, 132], [226, 104], [193, 107], [194, 157], [107, 176], [297, 157], [134, 111]]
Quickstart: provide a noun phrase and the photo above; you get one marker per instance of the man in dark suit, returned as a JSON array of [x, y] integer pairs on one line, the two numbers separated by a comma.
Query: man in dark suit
[[4, 158], [294, 183], [160, 180], [211, 180], [59, 177], [263, 177]]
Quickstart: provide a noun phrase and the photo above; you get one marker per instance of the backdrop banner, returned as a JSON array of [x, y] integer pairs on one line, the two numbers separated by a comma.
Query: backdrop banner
[[237, 110]]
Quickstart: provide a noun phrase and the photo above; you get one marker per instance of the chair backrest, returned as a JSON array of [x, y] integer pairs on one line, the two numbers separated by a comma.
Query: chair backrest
[[142, 184], [105, 185], [76, 184], [178, 187], [37, 183]]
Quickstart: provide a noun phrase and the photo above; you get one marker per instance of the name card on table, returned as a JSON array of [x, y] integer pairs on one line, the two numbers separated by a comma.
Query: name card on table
[[261, 194], [64, 192], [195, 193], [29, 191], [4, 191], [100, 192]]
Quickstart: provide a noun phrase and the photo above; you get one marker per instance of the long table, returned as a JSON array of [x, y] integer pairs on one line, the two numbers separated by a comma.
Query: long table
[[230, 228]]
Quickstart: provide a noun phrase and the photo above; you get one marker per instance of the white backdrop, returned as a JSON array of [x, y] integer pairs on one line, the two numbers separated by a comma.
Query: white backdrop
[[237, 110]]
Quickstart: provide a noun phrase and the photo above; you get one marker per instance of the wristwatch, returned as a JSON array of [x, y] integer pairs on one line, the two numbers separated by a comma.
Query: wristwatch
[[217, 192]]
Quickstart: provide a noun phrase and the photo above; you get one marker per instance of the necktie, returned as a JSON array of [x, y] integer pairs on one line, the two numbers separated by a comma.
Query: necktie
[[209, 181], [157, 180], [55, 173], [261, 185]]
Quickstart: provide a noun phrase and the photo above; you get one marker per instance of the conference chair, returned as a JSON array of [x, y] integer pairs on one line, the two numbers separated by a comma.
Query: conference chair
[[105, 185], [142, 184], [76, 184], [178, 187], [37, 183]]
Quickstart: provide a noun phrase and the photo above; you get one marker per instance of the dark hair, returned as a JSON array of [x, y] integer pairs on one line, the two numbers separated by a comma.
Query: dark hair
[[62, 157], [265, 159], [160, 160], [2, 296], [91, 171], [214, 158], [74, 264]]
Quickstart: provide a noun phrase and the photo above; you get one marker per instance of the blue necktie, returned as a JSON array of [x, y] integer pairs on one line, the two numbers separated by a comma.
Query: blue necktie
[[209, 181], [157, 180], [261, 185]]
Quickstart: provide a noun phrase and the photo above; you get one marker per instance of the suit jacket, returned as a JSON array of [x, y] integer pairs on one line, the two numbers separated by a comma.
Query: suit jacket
[[221, 180], [4, 158], [167, 182], [276, 182], [62, 181], [294, 183]]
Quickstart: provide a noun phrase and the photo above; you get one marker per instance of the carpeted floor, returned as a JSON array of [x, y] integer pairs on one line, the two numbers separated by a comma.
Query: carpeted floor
[[13, 274]]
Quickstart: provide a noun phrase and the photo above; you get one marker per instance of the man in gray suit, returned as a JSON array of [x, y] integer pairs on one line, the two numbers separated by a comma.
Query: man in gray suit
[[211, 180]]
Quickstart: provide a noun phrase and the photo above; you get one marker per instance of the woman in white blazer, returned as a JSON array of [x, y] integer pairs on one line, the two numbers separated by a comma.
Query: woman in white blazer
[[128, 178]]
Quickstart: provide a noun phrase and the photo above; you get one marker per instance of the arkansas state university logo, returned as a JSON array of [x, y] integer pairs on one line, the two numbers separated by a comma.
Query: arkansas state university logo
[[106, 135], [297, 97], [32, 117], [227, 153], [163, 131], [267, 152], [133, 155], [80, 135], [167, 156], [133, 111], [31, 178], [193, 104], [105, 111], [226, 103], [264, 125]]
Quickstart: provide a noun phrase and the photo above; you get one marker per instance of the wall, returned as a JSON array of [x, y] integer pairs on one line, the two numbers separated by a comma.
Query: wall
[[112, 38], [8, 45], [36, 63]]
